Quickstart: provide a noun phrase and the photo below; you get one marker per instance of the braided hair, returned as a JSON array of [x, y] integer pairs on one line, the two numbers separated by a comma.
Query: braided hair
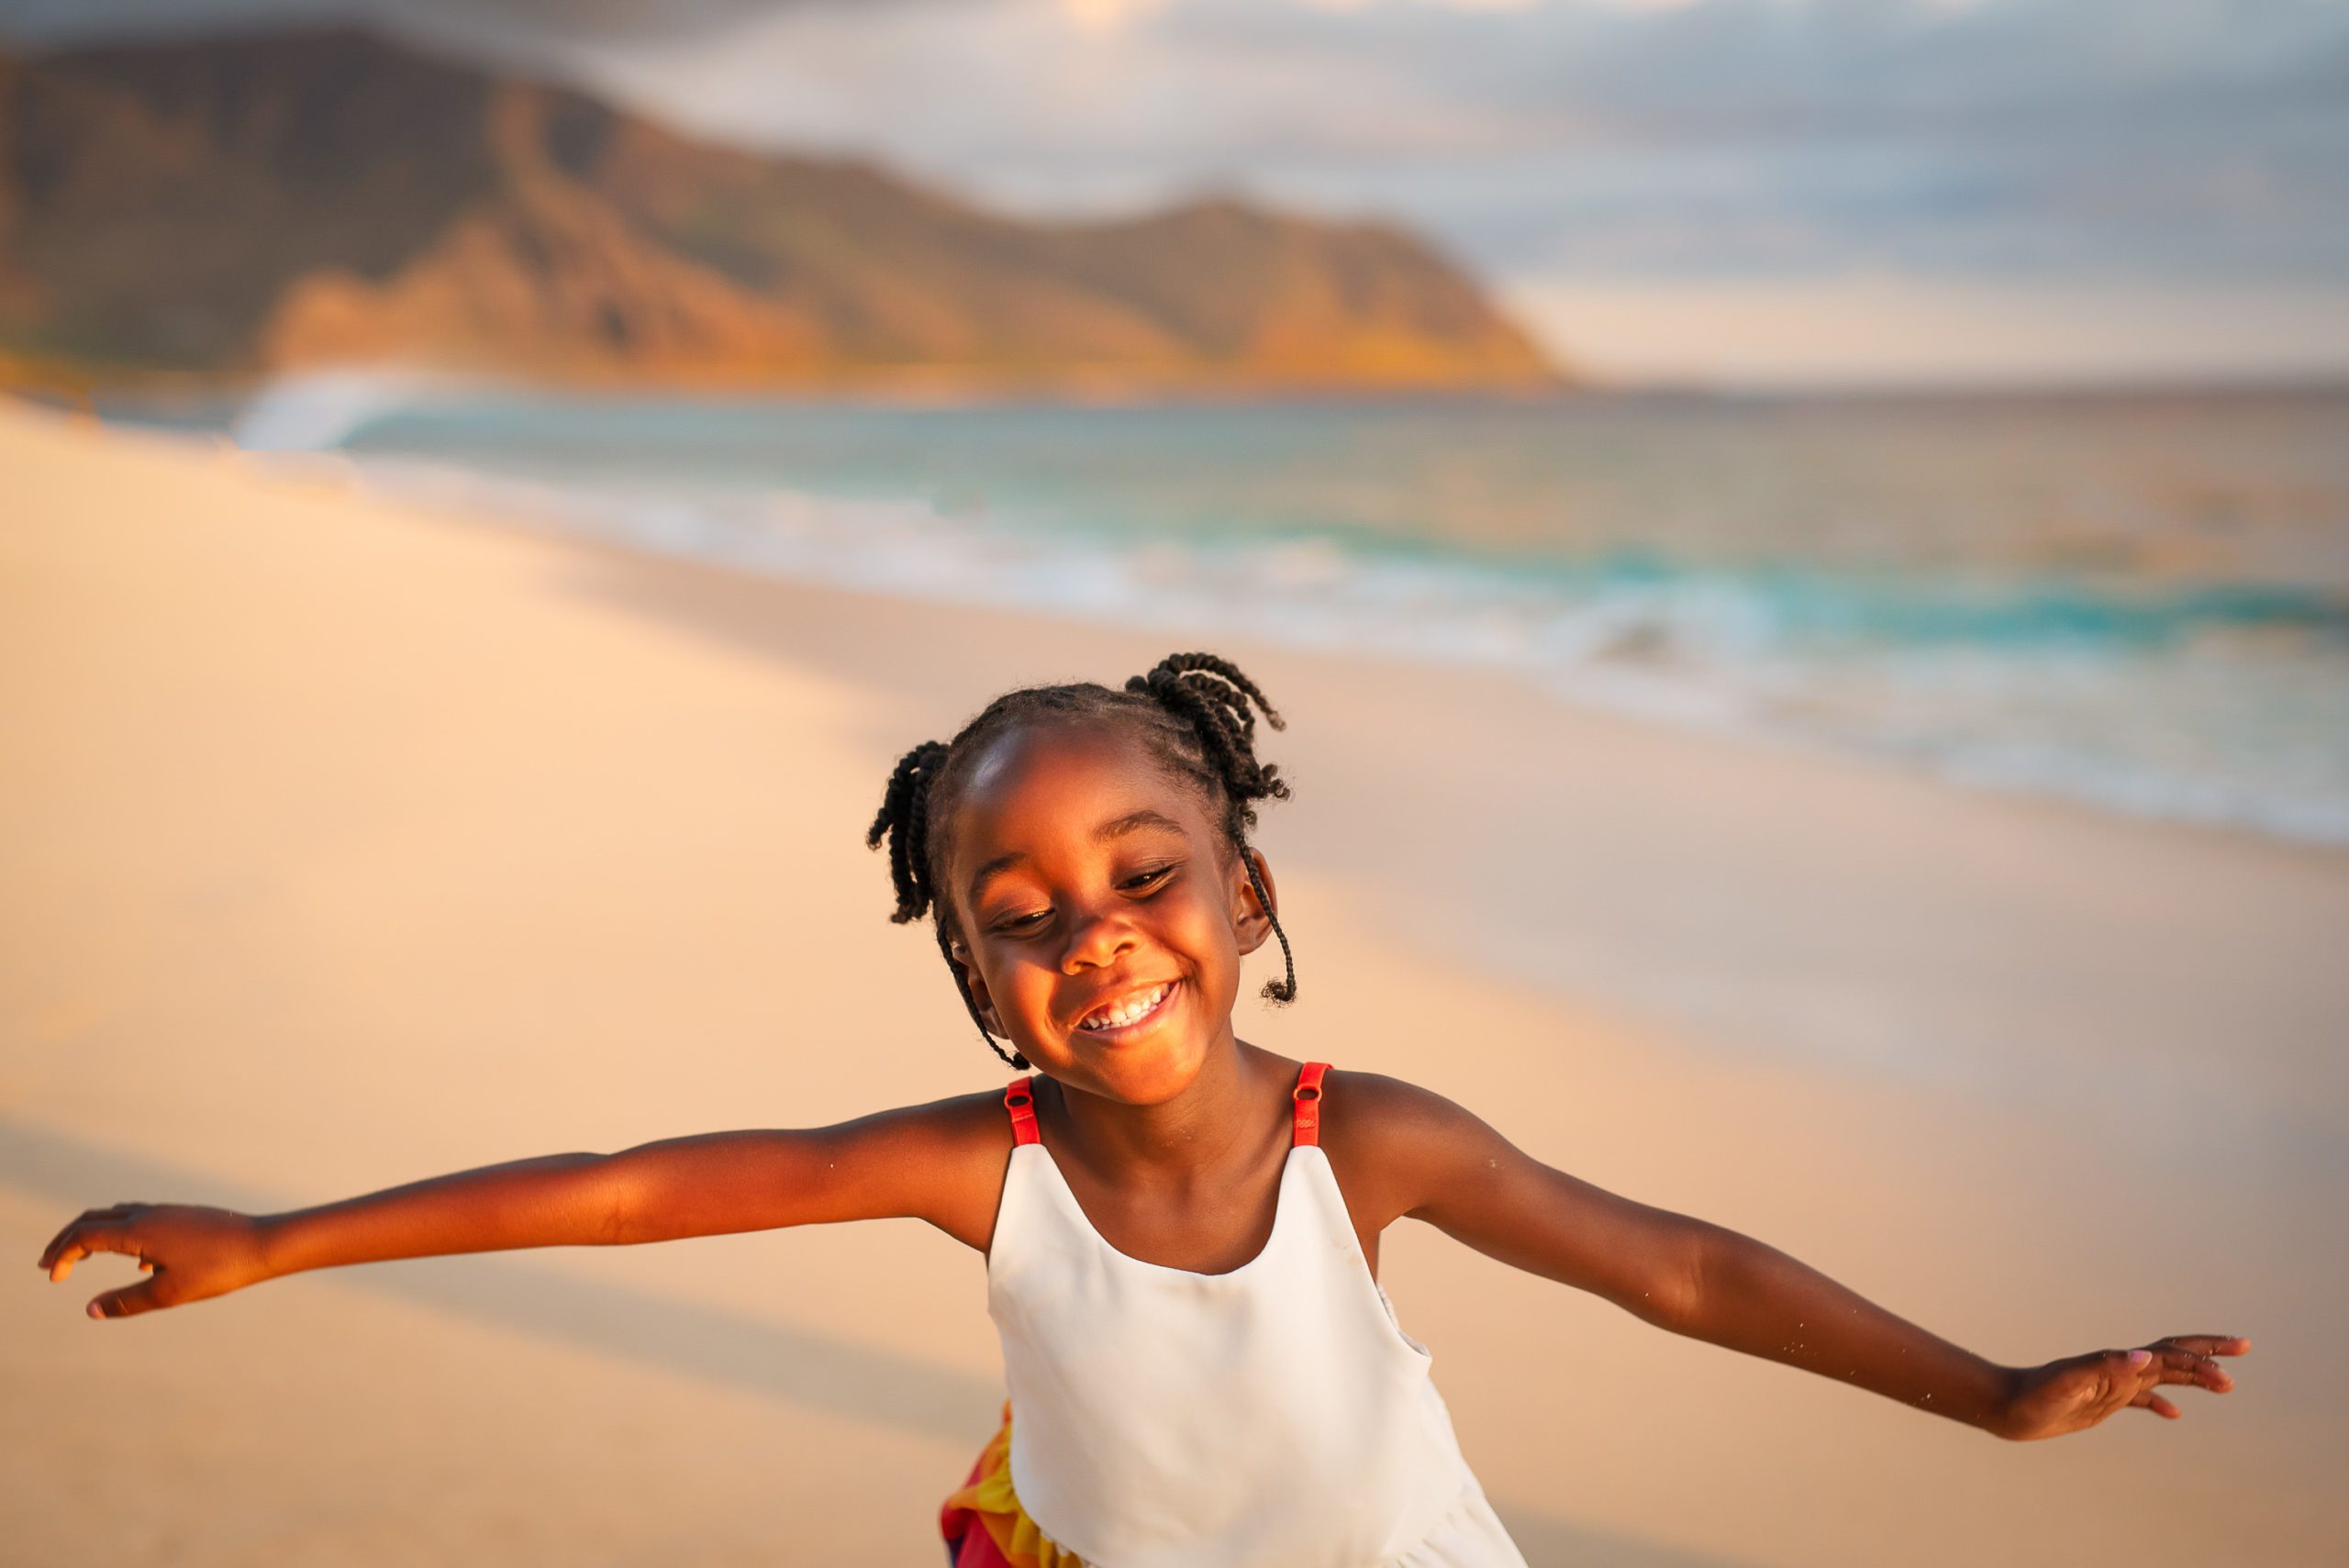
[[1193, 713]]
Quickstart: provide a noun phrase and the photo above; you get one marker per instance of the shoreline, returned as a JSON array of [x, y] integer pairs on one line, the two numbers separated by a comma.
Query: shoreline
[[2180, 679]]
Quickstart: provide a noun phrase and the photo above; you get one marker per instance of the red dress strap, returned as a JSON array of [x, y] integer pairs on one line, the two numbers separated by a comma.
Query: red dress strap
[[1019, 1099], [1307, 1098]]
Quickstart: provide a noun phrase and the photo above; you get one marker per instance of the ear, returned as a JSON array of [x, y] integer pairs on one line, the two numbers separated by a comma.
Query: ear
[[978, 983], [1252, 918]]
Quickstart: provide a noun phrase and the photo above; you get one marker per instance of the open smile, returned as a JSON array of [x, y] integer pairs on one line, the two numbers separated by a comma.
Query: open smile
[[1130, 1013]]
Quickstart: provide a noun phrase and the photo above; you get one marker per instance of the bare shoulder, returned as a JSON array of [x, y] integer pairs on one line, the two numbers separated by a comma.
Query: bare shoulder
[[1397, 1147], [1392, 1115], [1401, 1150], [951, 1154]]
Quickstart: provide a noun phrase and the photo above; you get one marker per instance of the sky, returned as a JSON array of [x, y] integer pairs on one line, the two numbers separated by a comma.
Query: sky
[[1730, 191]]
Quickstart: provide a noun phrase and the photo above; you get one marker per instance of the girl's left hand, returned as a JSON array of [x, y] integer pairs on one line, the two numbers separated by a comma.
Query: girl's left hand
[[2074, 1393]]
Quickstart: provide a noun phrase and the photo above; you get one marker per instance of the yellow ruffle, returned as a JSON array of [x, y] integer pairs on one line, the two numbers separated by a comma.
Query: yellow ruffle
[[991, 1498]]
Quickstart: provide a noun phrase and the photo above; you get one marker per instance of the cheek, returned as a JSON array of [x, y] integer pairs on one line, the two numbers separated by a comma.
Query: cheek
[[1025, 987], [1206, 932]]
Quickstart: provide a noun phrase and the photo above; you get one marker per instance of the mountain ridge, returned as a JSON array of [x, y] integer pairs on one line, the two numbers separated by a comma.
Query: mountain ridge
[[244, 204]]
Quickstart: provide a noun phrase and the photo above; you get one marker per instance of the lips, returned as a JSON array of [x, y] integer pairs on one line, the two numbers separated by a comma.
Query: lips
[[1129, 1011]]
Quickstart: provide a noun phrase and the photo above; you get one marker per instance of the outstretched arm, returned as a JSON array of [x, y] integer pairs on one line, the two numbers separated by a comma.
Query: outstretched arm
[[917, 1162], [1755, 1298], [1443, 1165]]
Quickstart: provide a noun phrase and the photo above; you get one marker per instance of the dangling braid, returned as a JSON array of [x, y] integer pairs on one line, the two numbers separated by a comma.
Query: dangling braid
[[908, 803], [1194, 714], [905, 818]]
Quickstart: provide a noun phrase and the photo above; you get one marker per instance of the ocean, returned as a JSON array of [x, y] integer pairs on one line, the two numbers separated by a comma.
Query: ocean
[[2135, 601]]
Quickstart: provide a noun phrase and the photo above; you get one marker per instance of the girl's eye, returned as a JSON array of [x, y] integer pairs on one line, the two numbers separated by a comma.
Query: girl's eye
[[1140, 881]]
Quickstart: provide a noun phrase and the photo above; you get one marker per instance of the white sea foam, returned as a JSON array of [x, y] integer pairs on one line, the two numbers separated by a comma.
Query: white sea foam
[[2191, 729], [320, 410]]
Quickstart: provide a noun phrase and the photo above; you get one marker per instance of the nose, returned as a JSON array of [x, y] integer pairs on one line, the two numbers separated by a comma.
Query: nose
[[1095, 941]]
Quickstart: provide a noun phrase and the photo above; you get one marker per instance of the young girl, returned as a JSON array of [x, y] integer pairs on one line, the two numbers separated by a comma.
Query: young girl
[[1181, 1229]]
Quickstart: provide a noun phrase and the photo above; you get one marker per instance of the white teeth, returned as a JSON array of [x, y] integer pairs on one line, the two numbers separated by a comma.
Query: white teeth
[[1128, 1011]]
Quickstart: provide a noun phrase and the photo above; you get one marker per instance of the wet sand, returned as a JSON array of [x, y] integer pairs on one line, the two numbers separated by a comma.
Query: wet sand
[[349, 841]]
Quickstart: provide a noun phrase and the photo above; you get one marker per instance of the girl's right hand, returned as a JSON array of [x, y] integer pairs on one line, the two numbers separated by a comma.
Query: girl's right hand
[[188, 1253]]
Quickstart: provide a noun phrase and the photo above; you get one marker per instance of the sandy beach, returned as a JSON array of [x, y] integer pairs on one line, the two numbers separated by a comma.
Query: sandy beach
[[348, 841]]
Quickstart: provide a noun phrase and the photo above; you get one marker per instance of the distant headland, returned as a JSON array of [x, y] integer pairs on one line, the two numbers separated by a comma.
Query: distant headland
[[237, 206]]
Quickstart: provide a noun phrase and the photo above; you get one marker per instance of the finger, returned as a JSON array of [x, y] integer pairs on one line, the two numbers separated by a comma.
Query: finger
[[56, 1245], [127, 1302], [65, 1250], [107, 1237], [2204, 1344], [2159, 1405], [2185, 1366], [87, 1217]]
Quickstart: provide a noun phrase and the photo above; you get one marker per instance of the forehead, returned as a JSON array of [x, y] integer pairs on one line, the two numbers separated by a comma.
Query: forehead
[[1046, 786]]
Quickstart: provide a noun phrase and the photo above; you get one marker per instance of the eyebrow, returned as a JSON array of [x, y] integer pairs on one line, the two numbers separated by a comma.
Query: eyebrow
[[1114, 828]]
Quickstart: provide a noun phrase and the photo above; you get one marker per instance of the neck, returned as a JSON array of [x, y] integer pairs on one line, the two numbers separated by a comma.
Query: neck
[[1217, 1115]]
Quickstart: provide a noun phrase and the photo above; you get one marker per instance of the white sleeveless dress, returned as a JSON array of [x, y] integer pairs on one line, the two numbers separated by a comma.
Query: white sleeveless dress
[[1273, 1417]]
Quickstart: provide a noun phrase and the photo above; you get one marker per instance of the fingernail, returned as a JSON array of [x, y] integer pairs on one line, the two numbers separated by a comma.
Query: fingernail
[[93, 1310], [2139, 1358]]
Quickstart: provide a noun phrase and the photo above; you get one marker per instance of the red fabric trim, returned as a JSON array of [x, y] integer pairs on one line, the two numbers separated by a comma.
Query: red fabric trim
[[1306, 1125], [1019, 1099], [983, 1522], [974, 1547]]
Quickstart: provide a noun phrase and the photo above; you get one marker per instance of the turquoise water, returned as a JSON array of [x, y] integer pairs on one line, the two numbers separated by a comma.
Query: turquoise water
[[2140, 602]]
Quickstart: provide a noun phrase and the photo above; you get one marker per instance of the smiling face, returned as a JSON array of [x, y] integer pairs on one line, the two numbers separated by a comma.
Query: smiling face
[[1102, 912]]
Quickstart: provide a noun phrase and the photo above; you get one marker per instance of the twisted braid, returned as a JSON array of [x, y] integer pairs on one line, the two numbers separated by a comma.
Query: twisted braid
[[904, 818], [1196, 714], [1214, 696]]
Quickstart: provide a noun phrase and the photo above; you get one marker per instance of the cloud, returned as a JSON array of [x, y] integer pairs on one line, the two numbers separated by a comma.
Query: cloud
[[1717, 137]]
